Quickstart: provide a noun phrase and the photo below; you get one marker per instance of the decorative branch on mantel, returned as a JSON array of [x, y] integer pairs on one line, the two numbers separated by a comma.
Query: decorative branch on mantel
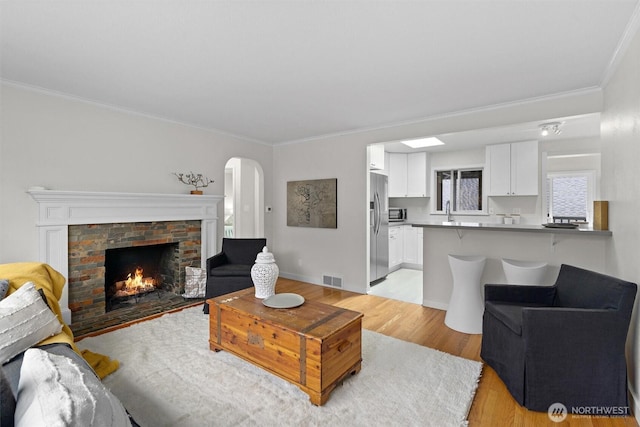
[[196, 179]]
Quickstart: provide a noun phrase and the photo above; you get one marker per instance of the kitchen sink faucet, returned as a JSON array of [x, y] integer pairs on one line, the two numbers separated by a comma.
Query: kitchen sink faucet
[[448, 209]]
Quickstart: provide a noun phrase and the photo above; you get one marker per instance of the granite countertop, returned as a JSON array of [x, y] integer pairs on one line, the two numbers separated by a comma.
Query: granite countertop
[[468, 225]]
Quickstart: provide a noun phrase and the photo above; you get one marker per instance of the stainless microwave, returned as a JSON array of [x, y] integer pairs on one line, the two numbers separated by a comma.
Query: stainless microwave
[[397, 214]]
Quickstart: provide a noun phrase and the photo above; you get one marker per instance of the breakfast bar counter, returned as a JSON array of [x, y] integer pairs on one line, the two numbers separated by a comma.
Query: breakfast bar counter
[[465, 225], [586, 248]]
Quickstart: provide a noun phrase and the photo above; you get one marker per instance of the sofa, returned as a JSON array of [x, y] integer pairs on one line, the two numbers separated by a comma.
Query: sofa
[[563, 343], [44, 380]]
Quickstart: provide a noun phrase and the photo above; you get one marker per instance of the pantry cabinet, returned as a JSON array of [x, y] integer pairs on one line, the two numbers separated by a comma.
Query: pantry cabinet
[[513, 169], [408, 175]]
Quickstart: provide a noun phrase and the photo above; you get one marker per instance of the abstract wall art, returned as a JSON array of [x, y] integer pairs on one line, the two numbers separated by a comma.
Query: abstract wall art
[[312, 203]]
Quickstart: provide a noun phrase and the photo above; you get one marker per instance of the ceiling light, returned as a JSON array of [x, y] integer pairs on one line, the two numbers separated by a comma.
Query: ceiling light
[[423, 142], [552, 127]]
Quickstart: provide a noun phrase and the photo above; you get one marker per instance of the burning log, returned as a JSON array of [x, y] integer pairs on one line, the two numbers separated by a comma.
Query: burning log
[[138, 284]]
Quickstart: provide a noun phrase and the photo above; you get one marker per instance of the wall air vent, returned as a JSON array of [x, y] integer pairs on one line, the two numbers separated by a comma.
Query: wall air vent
[[336, 282]]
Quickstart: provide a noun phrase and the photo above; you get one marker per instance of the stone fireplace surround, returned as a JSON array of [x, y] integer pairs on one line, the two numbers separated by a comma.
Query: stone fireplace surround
[[57, 210], [89, 302]]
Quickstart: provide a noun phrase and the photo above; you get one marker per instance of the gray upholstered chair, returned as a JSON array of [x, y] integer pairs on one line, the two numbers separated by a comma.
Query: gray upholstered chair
[[230, 270], [563, 343]]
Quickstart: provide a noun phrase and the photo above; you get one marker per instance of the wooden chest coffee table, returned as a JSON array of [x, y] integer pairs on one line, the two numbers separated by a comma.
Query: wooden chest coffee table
[[314, 346]]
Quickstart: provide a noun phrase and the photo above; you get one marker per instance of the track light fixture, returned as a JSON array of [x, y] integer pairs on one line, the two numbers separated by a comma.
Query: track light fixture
[[552, 127]]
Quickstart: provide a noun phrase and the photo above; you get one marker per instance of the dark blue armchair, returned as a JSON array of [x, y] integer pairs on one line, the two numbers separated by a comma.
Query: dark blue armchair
[[230, 270], [563, 343]]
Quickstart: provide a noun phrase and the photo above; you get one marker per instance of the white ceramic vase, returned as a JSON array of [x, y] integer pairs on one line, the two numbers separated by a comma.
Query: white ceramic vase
[[264, 274]]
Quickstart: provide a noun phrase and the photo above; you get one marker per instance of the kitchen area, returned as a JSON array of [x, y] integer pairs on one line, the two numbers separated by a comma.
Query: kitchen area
[[490, 198], [398, 184]]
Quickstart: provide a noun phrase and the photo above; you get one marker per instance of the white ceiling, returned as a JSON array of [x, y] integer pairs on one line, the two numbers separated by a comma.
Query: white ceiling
[[283, 71]]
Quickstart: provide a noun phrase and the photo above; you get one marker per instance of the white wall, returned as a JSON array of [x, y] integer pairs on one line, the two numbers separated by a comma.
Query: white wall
[[307, 253], [620, 133], [66, 144]]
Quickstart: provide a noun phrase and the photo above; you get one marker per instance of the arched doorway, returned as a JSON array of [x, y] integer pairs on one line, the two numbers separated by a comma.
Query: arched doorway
[[243, 198]]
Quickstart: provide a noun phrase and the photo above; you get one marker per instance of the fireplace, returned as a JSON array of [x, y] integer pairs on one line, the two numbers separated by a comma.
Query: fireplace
[[77, 228], [103, 256], [140, 272]]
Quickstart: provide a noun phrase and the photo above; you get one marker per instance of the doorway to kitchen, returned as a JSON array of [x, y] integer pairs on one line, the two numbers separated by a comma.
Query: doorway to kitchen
[[401, 277]]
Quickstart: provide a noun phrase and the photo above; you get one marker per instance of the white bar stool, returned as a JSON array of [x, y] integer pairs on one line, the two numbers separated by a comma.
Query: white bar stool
[[524, 272], [466, 305]]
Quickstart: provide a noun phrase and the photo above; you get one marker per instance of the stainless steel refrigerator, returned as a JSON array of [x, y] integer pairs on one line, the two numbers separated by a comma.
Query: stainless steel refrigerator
[[379, 227]]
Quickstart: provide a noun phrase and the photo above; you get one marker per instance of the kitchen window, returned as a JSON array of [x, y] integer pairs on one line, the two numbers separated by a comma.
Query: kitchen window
[[462, 188], [570, 196]]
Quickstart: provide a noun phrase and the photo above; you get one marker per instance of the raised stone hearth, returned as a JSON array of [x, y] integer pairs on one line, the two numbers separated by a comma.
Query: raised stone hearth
[[76, 227]]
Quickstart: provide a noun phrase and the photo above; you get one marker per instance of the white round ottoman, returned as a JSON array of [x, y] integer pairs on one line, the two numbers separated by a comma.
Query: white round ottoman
[[466, 305]]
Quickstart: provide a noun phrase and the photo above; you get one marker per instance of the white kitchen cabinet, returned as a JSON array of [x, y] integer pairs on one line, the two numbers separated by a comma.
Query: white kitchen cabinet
[[396, 246], [410, 244], [397, 175], [376, 156], [408, 175], [513, 169], [417, 175]]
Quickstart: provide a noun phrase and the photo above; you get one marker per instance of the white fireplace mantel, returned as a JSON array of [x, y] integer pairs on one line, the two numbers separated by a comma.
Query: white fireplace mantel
[[59, 209]]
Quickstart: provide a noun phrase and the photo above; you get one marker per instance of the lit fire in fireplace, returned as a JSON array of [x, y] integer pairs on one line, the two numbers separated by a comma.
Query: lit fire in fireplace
[[138, 284]]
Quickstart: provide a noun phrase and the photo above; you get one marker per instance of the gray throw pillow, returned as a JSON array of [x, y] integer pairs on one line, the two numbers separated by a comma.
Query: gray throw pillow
[[4, 288]]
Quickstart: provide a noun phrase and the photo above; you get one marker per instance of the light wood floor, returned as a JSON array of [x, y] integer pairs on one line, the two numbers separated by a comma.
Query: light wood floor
[[493, 405]]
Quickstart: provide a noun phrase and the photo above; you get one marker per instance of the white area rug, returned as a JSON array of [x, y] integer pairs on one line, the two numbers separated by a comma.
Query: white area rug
[[169, 377]]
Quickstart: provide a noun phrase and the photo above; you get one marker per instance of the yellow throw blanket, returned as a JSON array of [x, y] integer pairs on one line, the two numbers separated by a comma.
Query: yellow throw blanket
[[101, 364], [52, 283]]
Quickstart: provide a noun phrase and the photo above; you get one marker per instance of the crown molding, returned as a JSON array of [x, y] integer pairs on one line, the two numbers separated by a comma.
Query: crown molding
[[62, 95], [623, 46]]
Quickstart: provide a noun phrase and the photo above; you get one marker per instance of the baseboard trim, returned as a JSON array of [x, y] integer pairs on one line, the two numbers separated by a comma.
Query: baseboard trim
[[411, 266], [301, 278], [395, 268]]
